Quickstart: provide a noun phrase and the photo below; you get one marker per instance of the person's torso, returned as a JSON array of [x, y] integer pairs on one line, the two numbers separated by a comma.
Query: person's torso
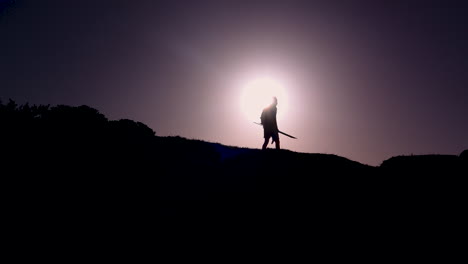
[[269, 117]]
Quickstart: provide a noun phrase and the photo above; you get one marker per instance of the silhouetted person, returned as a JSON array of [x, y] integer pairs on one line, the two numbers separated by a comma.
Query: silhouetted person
[[270, 127]]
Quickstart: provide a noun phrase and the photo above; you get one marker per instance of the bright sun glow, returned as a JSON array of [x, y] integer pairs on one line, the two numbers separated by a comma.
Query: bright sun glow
[[257, 94]]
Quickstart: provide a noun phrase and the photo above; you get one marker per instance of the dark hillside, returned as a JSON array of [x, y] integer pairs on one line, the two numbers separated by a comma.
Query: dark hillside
[[74, 162]]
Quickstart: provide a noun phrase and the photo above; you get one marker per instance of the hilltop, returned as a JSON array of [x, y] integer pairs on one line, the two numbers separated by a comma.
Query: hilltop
[[74, 157]]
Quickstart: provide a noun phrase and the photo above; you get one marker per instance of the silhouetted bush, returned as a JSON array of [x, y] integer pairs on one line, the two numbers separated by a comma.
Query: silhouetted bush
[[464, 155]]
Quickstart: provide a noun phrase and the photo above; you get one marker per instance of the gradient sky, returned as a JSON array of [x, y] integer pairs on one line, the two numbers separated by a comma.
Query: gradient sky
[[366, 80]]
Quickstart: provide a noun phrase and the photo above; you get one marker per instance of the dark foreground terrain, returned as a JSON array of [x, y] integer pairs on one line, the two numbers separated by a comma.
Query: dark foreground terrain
[[72, 167]]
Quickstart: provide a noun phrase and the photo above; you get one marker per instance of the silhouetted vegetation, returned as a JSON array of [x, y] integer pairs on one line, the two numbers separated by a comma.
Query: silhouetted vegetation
[[464, 155], [74, 161]]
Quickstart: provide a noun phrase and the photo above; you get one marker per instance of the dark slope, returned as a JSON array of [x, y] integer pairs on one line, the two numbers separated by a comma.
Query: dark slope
[[74, 163], [424, 164]]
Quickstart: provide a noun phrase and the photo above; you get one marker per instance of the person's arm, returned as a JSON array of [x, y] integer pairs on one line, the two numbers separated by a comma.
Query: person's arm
[[262, 117], [276, 123]]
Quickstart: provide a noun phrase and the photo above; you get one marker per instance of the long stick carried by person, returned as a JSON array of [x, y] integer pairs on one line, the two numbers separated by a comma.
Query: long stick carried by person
[[278, 131]]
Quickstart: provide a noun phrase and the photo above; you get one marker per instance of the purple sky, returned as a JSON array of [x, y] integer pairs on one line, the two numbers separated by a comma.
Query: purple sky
[[366, 80]]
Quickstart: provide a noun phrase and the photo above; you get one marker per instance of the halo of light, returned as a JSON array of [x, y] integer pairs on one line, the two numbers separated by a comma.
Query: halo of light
[[257, 94]]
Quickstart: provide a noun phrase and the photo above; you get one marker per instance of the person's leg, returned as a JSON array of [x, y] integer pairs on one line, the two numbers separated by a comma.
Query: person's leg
[[275, 138], [265, 143]]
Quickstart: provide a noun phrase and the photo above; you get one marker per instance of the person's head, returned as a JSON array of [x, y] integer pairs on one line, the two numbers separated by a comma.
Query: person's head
[[275, 101]]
